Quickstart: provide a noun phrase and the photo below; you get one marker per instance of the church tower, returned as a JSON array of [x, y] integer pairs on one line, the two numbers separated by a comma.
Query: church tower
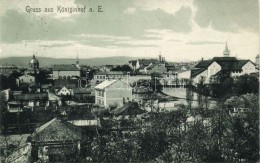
[[77, 62], [226, 52]]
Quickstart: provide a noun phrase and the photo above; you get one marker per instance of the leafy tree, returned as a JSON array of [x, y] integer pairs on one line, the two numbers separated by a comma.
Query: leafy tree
[[189, 94], [221, 85], [125, 68], [3, 117], [246, 84], [155, 82]]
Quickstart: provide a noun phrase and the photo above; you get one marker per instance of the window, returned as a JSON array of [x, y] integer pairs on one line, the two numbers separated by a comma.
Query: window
[[101, 93]]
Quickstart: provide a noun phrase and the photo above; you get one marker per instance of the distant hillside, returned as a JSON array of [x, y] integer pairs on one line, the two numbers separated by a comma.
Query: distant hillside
[[46, 62]]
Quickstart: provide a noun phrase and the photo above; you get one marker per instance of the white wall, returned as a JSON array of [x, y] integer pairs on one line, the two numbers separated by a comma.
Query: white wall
[[198, 77], [248, 68], [56, 74], [184, 74], [213, 69], [27, 79]]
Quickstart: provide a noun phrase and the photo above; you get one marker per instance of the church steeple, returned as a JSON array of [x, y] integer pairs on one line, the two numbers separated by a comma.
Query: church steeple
[[226, 52], [77, 62]]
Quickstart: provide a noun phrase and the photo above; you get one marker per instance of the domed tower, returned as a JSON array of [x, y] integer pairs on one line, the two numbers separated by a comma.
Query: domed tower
[[34, 63]]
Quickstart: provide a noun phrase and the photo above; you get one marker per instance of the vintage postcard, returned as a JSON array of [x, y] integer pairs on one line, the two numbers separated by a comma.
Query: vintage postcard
[[129, 81]]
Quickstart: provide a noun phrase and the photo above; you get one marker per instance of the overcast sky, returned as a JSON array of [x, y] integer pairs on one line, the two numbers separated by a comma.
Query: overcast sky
[[181, 30]]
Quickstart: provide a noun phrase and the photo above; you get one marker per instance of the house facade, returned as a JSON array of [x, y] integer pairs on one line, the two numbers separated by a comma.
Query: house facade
[[25, 79], [205, 69], [7, 69], [102, 76], [65, 71], [112, 93], [134, 64], [64, 92]]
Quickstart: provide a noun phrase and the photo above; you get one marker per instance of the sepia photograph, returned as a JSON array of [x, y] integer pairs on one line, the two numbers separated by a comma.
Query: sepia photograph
[[129, 81]]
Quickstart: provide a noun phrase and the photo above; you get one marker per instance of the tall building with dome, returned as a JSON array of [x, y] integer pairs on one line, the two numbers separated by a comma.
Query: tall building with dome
[[34, 63], [33, 66]]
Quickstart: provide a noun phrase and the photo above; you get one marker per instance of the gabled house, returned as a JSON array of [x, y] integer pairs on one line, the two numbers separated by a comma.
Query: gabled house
[[112, 93], [64, 91], [26, 78], [134, 64], [55, 141], [156, 68], [208, 68], [128, 110]]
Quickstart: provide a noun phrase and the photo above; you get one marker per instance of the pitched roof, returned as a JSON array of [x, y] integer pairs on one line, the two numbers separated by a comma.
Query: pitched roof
[[226, 63], [105, 84], [129, 108], [144, 66], [224, 59], [56, 130], [152, 66], [204, 64], [243, 62], [63, 67], [196, 72]]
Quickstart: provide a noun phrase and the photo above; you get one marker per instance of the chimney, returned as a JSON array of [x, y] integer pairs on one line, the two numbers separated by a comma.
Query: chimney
[[160, 58], [202, 58]]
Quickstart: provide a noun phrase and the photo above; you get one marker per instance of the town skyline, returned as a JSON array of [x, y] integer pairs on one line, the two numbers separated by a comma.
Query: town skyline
[[181, 31]]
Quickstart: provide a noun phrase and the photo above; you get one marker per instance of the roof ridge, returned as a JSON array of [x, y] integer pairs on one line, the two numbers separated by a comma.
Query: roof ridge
[[41, 128]]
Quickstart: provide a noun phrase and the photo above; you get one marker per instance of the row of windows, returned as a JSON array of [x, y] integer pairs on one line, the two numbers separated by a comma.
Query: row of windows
[[65, 77], [104, 77], [101, 77], [100, 101], [101, 93], [22, 79]]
